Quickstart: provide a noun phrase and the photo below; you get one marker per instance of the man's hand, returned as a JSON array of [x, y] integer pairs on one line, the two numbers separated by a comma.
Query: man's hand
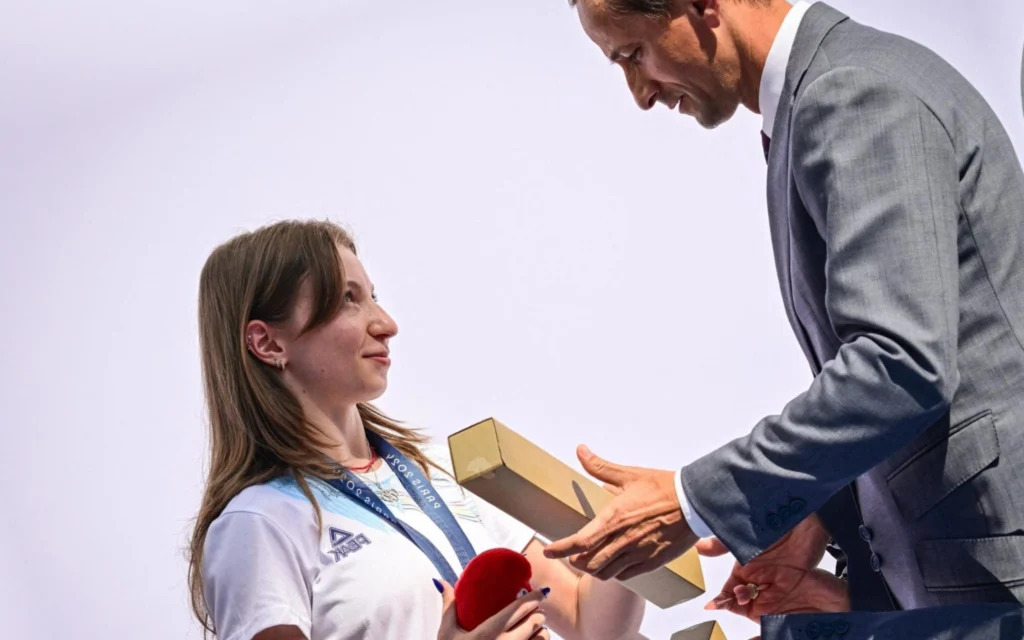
[[785, 577], [640, 530]]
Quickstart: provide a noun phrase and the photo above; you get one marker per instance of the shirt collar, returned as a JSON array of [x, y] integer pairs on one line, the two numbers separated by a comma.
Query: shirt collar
[[774, 75]]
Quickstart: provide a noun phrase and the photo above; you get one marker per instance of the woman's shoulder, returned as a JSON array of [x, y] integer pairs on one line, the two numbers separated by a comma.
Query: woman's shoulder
[[503, 529], [442, 474], [438, 454], [279, 501]]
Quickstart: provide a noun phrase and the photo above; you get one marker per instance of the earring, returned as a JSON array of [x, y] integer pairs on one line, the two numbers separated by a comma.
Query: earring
[[279, 364]]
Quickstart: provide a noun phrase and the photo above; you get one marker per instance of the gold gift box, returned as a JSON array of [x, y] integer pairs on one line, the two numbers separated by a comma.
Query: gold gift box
[[529, 484]]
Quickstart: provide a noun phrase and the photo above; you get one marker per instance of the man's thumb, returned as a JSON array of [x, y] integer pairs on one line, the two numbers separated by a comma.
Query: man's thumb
[[711, 547], [600, 468]]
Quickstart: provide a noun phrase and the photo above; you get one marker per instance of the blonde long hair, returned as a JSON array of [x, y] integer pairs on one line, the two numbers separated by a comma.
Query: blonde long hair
[[257, 428]]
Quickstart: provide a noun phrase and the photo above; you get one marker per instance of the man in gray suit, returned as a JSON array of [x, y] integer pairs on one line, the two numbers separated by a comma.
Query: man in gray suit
[[896, 205]]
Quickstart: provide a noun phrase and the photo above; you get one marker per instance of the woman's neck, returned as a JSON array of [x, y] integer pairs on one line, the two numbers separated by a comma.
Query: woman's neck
[[345, 431]]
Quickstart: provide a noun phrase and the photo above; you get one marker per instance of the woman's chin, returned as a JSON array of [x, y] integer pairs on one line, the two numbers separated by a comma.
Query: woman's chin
[[374, 389]]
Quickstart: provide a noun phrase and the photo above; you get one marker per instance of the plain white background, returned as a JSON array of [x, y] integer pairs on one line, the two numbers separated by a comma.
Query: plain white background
[[556, 258]]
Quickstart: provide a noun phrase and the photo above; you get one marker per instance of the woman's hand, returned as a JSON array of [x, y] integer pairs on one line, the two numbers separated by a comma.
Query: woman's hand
[[521, 620]]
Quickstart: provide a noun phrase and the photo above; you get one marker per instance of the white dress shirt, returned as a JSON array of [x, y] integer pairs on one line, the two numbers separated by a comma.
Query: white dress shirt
[[768, 98]]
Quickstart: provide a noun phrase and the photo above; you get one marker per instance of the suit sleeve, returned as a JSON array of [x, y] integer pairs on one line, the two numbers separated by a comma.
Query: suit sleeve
[[959, 622], [877, 172]]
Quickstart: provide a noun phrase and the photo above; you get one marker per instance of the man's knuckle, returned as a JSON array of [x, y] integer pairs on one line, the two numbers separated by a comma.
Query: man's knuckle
[[615, 513]]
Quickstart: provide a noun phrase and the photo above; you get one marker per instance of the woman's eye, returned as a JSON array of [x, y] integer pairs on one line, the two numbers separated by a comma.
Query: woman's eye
[[348, 297], [635, 56]]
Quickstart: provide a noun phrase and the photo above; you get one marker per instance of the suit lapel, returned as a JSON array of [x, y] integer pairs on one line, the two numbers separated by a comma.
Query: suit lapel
[[817, 22], [778, 220]]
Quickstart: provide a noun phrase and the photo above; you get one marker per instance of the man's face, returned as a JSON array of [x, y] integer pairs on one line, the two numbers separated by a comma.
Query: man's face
[[680, 61]]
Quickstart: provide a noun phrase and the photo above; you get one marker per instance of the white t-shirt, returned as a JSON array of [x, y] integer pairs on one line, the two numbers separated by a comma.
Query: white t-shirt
[[264, 566]]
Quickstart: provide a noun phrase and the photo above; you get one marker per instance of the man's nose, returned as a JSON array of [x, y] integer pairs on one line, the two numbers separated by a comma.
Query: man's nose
[[644, 90]]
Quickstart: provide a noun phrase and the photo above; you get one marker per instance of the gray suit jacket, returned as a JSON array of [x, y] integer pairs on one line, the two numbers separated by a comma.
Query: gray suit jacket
[[896, 206], [971, 622]]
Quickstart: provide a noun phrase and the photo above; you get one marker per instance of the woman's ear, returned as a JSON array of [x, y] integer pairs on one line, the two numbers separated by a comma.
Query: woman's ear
[[263, 343]]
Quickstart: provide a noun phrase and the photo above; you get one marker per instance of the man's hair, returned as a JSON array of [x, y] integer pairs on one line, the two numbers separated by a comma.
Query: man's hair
[[651, 8]]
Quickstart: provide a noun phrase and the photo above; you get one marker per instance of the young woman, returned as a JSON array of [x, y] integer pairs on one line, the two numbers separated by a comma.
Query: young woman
[[305, 529]]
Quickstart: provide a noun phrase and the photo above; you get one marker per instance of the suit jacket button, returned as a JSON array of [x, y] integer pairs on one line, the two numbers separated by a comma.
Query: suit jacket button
[[876, 562], [797, 504], [813, 631], [841, 627], [773, 521], [865, 533]]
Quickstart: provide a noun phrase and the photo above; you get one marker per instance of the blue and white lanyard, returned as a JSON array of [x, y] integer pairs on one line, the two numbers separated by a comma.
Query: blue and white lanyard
[[426, 498]]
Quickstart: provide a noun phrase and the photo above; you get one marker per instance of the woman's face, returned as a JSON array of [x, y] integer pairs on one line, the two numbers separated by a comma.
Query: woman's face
[[346, 360]]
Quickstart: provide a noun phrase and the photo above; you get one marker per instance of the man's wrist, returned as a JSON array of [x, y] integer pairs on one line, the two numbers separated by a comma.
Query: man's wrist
[[834, 597], [693, 519]]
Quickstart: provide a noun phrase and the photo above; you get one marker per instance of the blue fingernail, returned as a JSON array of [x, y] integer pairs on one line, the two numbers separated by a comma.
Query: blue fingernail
[[437, 584], [546, 591]]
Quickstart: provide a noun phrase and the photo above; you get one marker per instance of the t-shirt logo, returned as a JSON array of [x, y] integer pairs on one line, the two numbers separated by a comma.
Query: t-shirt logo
[[344, 542]]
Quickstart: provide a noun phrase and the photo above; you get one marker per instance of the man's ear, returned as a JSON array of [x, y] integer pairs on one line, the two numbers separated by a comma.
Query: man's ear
[[262, 342], [709, 10]]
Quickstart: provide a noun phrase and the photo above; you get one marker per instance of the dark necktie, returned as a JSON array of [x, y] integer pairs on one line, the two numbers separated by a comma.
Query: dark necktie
[[766, 142]]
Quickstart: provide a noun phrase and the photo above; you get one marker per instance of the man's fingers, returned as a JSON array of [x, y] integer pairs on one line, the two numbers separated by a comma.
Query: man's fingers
[[711, 547], [744, 594], [647, 562], [602, 469], [612, 489], [721, 602], [615, 565], [624, 543], [586, 539], [725, 602], [726, 598]]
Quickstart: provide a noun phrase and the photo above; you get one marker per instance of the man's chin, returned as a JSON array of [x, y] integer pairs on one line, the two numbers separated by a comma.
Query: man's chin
[[710, 123], [713, 119]]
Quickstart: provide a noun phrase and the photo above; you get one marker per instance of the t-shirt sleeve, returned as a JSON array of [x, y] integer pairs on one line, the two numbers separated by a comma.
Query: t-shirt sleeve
[[253, 577]]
